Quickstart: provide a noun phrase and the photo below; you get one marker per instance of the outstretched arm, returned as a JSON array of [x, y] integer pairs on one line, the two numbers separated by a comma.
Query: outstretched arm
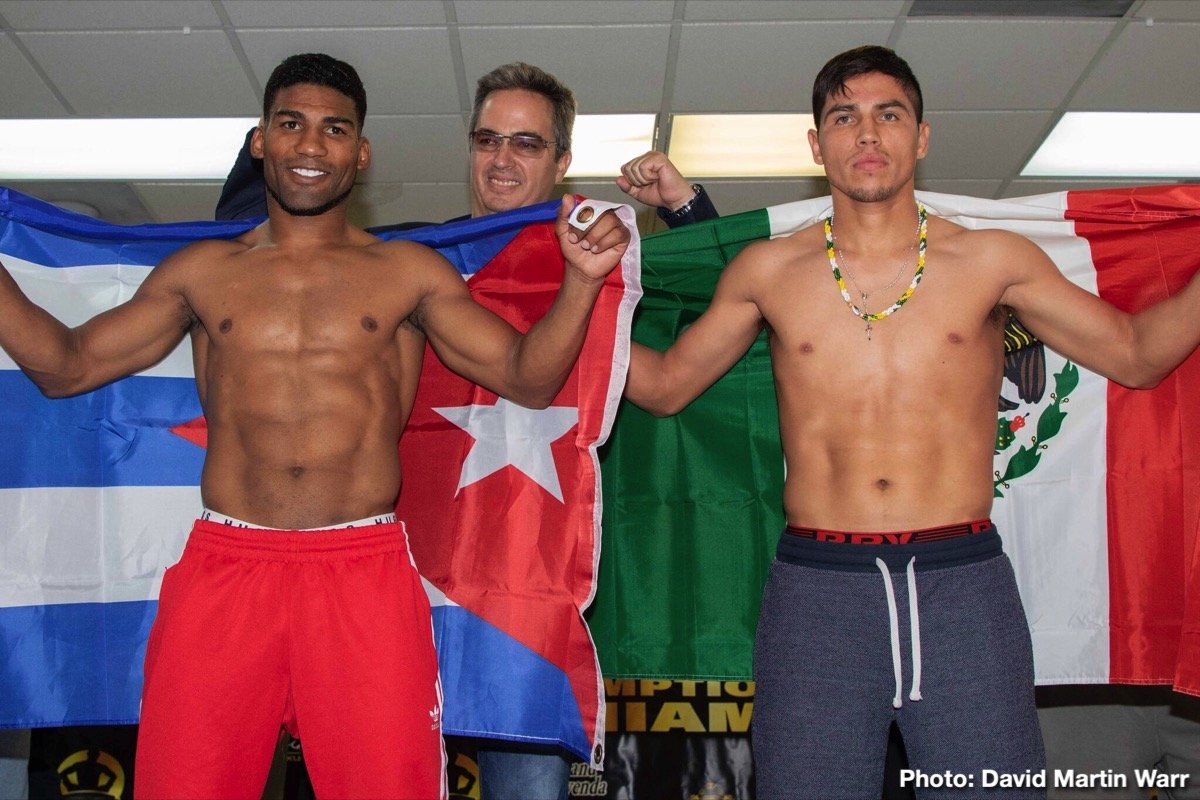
[[530, 369], [1135, 350], [64, 361], [664, 383]]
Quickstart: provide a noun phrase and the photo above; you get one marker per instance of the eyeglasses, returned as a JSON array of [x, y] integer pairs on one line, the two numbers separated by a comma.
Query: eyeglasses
[[529, 145]]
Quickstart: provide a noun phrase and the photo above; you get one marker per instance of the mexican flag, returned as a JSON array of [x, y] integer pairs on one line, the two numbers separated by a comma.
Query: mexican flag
[[1097, 487]]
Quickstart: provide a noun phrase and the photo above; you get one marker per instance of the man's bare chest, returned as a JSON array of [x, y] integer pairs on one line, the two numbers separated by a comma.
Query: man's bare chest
[[281, 310]]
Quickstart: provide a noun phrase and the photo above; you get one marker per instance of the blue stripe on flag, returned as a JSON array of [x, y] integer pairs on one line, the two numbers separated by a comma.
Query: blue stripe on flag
[[118, 435], [471, 243], [44, 234], [502, 681], [47, 235], [73, 664]]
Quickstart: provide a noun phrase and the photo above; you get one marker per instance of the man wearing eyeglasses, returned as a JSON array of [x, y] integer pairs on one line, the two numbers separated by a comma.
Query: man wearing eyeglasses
[[520, 149], [520, 138]]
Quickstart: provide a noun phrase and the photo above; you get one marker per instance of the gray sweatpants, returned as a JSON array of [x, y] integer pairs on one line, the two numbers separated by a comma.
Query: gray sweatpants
[[825, 666]]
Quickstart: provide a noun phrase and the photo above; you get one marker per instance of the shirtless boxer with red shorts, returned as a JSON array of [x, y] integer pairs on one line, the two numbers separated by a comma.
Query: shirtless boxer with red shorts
[[307, 335]]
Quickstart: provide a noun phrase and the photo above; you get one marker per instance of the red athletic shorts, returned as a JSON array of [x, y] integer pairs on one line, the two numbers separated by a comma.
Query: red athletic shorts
[[327, 633]]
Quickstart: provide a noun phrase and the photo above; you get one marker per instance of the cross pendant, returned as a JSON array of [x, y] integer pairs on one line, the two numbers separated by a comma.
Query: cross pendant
[[868, 330]]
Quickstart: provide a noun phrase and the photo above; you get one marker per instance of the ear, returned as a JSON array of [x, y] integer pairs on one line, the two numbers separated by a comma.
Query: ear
[[560, 169], [364, 153], [256, 141], [922, 139], [815, 144]]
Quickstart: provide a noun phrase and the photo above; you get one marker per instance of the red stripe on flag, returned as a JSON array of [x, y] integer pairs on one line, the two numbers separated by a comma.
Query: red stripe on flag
[[1145, 245]]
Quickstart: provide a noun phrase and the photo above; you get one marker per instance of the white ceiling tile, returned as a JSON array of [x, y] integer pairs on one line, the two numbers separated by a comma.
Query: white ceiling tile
[[582, 58], [385, 203], [746, 10], [971, 188], [1161, 10], [733, 56], [428, 149], [145, 74], [180, 202], [23, 93], [101, 15], [342, 14], [979, 144], [405, 70], [1011, 64], [539, 12], [760, 67], [1146, 69]]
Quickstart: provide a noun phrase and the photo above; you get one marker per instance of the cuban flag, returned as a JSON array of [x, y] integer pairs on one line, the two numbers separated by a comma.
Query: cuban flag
[[503, 508], [98, 492]]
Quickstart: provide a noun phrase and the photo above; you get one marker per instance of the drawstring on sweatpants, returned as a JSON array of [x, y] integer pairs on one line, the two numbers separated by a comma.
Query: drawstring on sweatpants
[[914, 693], [914, 629]]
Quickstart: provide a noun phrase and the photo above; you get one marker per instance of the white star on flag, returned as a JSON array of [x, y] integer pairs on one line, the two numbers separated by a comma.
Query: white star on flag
[[507, 433]]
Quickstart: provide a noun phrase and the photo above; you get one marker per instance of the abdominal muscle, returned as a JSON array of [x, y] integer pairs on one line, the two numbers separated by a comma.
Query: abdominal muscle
[[906, 459], [294, 448]]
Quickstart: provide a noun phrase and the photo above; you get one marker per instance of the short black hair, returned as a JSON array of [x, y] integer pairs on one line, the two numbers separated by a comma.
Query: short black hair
[[519, 75], [869, 58], [320, 70]]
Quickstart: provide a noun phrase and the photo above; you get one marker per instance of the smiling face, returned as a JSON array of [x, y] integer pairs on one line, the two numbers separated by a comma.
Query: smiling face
[[312, 149], [503, 180], [869, 140]]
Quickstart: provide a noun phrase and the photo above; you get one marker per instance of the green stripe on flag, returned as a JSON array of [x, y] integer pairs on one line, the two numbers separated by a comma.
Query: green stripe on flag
[[693, 503]]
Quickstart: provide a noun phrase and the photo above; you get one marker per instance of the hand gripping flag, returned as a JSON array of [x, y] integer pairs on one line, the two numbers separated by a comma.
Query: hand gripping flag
[[1097, 486], [97, 492]]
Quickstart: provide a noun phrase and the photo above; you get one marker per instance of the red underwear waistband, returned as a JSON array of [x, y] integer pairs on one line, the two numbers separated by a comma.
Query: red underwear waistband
[[894, 537]]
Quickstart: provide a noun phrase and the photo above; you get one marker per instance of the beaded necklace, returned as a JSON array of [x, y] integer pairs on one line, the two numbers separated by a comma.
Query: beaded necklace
[[868, 317]]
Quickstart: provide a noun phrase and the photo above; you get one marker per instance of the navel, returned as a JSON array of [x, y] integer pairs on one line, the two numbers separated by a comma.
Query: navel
[[297, 472], [883, 484], [369, 324], [226, 325]]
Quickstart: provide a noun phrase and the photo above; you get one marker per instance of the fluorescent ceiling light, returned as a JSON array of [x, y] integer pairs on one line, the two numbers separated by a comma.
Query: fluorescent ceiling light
[[601, 143], [742, 145], [120, 149], [1119, 145], [204, 148]]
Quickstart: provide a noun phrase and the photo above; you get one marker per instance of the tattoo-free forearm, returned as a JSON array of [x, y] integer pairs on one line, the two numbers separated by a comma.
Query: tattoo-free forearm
[[1164, 335], [545, 356]]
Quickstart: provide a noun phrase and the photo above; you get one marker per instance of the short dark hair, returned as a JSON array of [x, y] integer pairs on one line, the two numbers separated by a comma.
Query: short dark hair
[[320, 70], [832, 78], [520, 75]]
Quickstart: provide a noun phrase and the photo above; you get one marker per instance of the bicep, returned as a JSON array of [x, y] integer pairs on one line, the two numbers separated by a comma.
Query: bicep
[[706, 350], [136, 334], [713, 343], [468, 338], [1068, 318]]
